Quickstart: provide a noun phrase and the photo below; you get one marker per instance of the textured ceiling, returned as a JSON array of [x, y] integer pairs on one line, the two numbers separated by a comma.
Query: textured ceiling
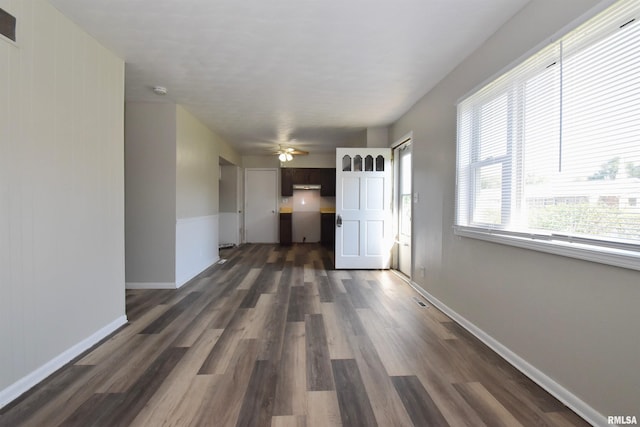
[[259, 72]]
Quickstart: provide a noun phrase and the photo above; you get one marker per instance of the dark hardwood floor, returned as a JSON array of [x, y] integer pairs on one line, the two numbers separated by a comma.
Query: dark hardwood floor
[[275, 337]]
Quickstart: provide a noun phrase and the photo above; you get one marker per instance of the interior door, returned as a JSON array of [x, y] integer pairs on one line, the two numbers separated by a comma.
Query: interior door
[[363, 208], [402, 156], [261, 199]]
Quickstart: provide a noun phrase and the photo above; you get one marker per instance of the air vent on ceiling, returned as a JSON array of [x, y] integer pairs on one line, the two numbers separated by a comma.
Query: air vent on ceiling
[[7, 25]]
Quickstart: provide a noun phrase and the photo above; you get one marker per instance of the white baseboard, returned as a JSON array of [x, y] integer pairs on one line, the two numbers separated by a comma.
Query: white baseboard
[[150, 285], [21, 386], [562, 394]]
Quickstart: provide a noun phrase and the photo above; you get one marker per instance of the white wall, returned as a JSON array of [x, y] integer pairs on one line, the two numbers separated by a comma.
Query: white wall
[[196, 246], [575, 321], [150, 196], [305, 221], [61, 195], [197, 195]]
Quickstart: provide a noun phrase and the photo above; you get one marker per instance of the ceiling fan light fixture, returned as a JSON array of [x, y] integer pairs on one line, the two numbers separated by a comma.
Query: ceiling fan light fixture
[[286, 154]]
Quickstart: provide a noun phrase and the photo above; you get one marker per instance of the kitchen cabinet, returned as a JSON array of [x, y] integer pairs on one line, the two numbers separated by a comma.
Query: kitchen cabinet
[[327, 229], [286, 228], [307, 176], [328, 182], [326, 177], [286, 181]]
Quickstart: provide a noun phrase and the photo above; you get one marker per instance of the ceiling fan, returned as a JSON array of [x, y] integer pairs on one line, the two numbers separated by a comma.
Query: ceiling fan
[[285, 154]]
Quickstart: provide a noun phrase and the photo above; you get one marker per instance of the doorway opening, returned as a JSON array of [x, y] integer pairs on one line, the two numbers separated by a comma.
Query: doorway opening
[[229, 204], [403, 206]]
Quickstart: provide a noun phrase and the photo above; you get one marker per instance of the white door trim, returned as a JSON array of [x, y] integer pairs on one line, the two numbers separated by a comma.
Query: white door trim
[[405, 138]]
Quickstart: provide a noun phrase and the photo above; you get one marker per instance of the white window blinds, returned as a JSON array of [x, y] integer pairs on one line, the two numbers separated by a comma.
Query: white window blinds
[[551, 149]]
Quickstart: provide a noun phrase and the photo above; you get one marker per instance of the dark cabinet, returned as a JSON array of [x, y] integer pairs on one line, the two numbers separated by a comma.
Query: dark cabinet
[[328, 182], [308, 176], [328, 229], [286, 225], [286, 181]]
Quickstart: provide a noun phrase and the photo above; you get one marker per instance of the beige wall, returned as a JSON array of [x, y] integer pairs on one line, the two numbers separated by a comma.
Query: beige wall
[[197, 167], [61, 194], [226, 151], [575, 321], [357, 139], [260, 162], [198, 150], [150, 196], [378, 137], [312, 161]]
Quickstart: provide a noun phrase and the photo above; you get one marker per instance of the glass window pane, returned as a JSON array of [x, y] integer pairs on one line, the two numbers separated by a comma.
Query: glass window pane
[[493, 128], [553, 145], [405, 214], [357, 163], [487, 208], [346, 163], [592, 192], [368, 163]]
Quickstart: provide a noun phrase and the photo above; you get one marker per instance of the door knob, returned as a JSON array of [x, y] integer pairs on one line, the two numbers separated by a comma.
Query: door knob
[[339, 221]]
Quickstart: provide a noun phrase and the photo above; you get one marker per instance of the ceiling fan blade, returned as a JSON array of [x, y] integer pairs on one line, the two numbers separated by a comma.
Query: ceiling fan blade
[[290, 150]]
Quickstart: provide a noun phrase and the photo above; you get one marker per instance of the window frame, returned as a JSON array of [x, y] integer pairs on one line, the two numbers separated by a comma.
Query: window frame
[[610, 252], [476, 164]]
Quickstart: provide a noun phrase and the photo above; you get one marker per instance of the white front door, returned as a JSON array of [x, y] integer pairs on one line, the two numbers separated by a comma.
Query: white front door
[[261, 199], [363, 208]]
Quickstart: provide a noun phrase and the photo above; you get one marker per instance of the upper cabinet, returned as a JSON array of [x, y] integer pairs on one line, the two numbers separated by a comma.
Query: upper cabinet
[[328, 183], [286, 181], [308, 176]]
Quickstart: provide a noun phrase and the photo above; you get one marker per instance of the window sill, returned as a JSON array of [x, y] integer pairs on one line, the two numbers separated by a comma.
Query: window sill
[[600, 254]]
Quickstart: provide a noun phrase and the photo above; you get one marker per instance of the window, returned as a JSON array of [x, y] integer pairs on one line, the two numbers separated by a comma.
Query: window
[[346, 163], [549, 152]]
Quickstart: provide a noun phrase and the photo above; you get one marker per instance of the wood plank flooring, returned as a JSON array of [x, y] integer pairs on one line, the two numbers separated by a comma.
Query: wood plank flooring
[[275, 337]]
